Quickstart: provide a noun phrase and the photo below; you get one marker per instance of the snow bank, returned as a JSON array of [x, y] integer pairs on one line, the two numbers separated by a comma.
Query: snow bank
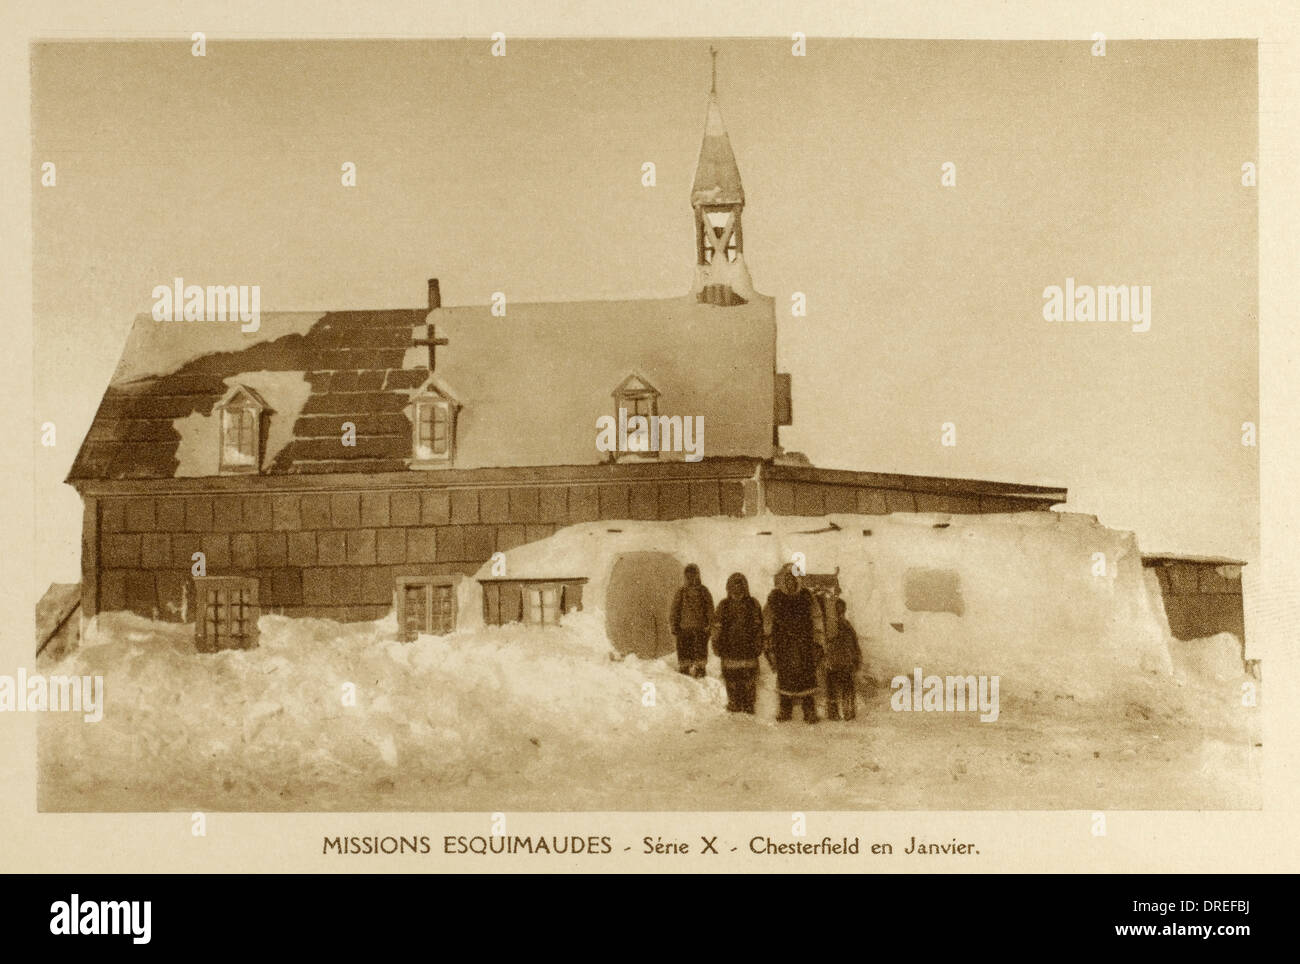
[[1049, 601], [530, 718], [1214, 659], [465, 707]]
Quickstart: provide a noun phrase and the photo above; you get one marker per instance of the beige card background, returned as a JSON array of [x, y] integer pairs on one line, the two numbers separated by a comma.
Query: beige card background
[[1266, 840]]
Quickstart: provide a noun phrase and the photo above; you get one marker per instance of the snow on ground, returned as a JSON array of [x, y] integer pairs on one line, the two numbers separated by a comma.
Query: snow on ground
[[270, 724], [492, 718], [1034, 607]]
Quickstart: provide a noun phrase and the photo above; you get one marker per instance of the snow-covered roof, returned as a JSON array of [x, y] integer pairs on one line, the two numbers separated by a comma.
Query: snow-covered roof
[[314, 369], [530, 385], [533, 383]]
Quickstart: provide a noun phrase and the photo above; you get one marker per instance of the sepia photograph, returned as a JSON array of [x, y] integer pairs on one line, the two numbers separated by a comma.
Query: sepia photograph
[[700, 424]]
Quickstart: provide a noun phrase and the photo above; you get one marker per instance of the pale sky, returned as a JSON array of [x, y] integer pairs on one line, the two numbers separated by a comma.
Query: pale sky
[[522, 174]]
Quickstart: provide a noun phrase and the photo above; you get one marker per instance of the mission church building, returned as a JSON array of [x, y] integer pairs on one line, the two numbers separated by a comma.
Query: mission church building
[[342, 463]]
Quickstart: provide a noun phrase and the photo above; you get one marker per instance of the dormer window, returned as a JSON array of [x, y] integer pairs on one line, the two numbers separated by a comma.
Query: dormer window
[[241, 430], [433, 419], [636, 406]]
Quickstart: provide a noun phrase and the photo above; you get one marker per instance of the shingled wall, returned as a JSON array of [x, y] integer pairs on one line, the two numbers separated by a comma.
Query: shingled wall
[[334, 547], [337, 554]]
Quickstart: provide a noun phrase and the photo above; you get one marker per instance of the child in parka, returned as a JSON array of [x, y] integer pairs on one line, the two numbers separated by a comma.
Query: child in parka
[[843, 657]]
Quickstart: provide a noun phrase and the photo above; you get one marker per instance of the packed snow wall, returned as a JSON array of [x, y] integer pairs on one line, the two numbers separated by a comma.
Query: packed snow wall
[[1053, 601]]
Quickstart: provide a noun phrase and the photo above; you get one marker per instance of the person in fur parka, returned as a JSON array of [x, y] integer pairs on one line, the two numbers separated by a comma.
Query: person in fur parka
[[689, 618], [738, 640], [793, 625]]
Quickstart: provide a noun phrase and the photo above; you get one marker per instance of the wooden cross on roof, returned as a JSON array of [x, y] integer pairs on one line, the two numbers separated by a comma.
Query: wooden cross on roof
[[713, 52], [432, 342]]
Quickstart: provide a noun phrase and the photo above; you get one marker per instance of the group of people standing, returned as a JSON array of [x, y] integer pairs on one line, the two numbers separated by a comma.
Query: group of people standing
[[789, 630]]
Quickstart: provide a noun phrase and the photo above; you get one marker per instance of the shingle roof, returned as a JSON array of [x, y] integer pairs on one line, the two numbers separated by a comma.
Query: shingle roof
[[54, 609], [530, 385], [1150, 559], [351, 361]]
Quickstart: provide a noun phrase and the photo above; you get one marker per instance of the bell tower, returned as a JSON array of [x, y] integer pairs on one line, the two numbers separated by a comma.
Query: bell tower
[[718, 200]]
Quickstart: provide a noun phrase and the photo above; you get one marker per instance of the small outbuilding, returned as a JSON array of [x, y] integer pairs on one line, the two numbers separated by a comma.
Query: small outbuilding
[[1202, 594]]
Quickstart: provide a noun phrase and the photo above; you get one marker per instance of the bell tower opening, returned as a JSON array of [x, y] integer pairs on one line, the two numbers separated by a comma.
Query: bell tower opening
[[719, 229]]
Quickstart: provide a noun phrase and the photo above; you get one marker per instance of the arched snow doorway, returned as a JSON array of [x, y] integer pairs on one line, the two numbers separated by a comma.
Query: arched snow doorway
[[640, 594]]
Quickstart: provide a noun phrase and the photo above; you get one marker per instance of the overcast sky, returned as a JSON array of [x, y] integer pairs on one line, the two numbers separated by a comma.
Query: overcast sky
[[523, 174]]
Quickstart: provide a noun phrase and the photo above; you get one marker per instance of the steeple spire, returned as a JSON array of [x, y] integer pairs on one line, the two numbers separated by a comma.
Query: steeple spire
[[717, 178], [718, 199]]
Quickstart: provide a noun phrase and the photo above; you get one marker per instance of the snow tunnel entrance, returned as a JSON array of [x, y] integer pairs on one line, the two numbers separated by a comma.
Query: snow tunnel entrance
[[640, 594]]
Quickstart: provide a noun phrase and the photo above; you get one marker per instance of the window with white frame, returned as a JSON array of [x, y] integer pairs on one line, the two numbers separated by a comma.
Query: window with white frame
[[434, 429], [543, 605], [637, 398], [240, 415]]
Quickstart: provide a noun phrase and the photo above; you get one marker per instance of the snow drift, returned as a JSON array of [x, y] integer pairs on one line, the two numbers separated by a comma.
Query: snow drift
[[457, 709], [1047, 600], [555, 718]]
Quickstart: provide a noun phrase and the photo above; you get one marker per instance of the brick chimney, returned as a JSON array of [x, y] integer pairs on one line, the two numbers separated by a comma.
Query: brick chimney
[[435, 296]]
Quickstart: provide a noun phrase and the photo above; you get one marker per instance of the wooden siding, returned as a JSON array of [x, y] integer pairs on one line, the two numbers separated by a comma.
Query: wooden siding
[[334, 545], [338, 554]]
